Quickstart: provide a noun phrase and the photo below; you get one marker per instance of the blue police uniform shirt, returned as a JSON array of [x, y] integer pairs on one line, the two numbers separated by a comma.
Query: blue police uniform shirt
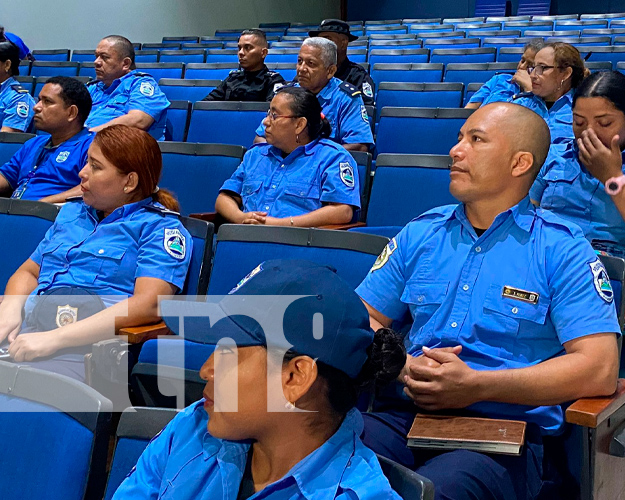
[[39, 169], [16, 105], [137, 240], [565, 187], [343, 107], [319, 172], [132, 91], [559, 117], [511, 297], [184, 462], [13, 38]]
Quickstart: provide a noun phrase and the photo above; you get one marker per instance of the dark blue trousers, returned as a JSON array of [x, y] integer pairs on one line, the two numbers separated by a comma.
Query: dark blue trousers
[[462, 474]]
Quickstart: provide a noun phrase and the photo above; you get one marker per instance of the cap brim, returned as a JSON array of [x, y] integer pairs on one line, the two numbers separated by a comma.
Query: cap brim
[[314, 33]]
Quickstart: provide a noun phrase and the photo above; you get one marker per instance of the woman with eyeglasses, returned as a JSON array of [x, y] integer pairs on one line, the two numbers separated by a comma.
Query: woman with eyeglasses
[[585, 183], [298, 177], [557, 71]]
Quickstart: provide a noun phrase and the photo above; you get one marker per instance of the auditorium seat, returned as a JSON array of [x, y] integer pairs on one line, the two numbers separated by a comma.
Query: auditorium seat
[[55, 434], [195, 172], [206, 44], [41, 81], [183, 56], [51, 55], [178, 116], [419, 95], [287, 70], [363, 162], [471, 89], [180, 39], [595, 24], [510, 54], [454, 43], [357, 55], [493, 34], [430, 28], [28, 82], [597, 41], [476, 73], [524, 26], [160, 46], [452, 35], [545, 34], [222, 56], [405, 72], [282, 56], [405, 186], [161, 70], [446, 56], [395, 44], [490, 8], [412, 56], [87, 69], [54, 68], [211, 71], [613, 54], [419, 130], [467, 26], [385, 30], [208, 119], [533, 7], [81, 56], [177, 89]]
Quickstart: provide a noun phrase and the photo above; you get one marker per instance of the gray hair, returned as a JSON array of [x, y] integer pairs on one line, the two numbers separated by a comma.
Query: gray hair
[[535, 44], [327, 48]]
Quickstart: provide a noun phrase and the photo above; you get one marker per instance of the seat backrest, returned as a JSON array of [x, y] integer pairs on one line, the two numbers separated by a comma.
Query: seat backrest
[[83, 56], [406, 483], [161, 70], [222, 56], [471, 89], [282, 55], [405, 186], [54, 68], [615, 267], [287, 70], [476, 73], [241, 248], [28, 82], [396, 44], [40, 81], [419, 95], [242, 119], [51, 55], [419, 130], [446, 56], [23, 224], [10, 142], [196, 172], [452, 43], [363, 161], [147, 56], [54, 432], [213, 71], [490, 7], [613, 54], [416, 73], [177, 124], [183, 56], [533, 7], [87, 69], [137, 426], [200, 266], [177, 89], [398, 56]]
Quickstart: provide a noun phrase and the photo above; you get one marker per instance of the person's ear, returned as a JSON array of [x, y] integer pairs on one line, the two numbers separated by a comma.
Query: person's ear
[[132, 183], [300, 125], [73, 113], [298, 376], [568, 72], [126, 63], [522, 163], [264, 51], [331, 71]]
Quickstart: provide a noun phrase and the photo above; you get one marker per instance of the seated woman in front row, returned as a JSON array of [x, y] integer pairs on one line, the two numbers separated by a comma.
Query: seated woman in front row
[[115, 251], [576, 183], [299, 177], [296, 437]]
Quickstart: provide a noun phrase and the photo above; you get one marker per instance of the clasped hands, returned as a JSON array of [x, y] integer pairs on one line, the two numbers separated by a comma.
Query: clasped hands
[[29, 346], [439, 379]]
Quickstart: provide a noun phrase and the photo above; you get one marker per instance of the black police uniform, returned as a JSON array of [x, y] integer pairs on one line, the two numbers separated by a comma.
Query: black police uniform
[[355, 74], [241, 85]]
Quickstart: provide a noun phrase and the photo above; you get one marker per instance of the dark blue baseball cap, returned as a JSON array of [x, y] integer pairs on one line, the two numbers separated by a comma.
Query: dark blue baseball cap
[[286, 304]]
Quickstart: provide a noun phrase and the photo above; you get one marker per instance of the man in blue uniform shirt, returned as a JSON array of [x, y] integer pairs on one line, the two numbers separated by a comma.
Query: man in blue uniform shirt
[[123, 95], [511, 311], [16, 104], [46, 167], [341, 102]]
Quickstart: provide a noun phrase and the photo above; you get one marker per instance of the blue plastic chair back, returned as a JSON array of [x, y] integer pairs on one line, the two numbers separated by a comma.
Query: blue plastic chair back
[[87, 69], [199, 266], [196, 172], [54, 68], [386, 231], [81, 56], [405, 186], [59, 55], [183, 56], [288, 71], [414, 73], [182, 89], [161, 70], [612, 54], [447, 56], [147, 56], [533, 7], [222, 56], [413, 56], [226, 122], [476, 73], [419, 95], [288, 56], [177, 122], [217, 71], [10, 142]]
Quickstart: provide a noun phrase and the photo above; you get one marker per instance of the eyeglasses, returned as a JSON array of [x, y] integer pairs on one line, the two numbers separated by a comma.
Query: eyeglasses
[[274, 116], [539, 68]]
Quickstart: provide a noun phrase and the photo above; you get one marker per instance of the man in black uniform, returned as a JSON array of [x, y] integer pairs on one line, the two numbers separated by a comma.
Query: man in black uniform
[[338, 32], [253, 81]]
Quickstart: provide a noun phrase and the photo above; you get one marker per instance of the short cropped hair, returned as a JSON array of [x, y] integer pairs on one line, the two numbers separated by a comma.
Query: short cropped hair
[[123, 46], [535, 44], [260, 34], [74, 93], [327, 48]]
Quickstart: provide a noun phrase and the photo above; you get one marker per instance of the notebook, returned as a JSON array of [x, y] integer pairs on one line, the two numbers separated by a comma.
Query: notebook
[[467, 433]]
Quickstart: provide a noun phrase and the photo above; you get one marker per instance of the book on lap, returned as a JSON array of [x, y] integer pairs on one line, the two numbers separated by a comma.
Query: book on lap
[[484, 435]]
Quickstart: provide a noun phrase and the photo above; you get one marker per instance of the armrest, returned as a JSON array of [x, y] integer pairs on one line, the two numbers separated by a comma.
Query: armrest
[[591, 412], [343, 227], [207, 216], [139, 334]]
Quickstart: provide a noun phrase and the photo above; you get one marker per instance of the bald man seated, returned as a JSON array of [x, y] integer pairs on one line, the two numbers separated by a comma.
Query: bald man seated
[[508, 312]]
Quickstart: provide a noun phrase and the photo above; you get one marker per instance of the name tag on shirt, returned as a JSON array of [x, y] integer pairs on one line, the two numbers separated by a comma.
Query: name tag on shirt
[[518, 294]]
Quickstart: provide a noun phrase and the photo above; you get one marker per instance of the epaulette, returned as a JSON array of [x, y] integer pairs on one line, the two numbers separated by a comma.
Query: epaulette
[[555, 220], [349, 89], [93, 81], [140, 73], [161, 210], [235, 71], [437, 212], [19, 89]]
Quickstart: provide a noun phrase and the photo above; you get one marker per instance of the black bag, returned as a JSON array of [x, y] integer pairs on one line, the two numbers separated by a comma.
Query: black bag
[[62, 306]]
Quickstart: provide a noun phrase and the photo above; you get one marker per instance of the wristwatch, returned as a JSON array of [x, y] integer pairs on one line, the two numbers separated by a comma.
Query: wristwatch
[[614, 185]]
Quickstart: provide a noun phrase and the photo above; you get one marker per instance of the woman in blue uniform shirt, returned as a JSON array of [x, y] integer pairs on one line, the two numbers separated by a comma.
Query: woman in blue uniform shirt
[[576, 184], [298, 177], [296, 437], [16, 104], [118, 248], [557, 71]]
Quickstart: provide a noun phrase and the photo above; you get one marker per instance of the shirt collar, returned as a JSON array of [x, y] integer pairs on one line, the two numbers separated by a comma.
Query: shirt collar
[[326, 92], [123, 211], [307, 150], [256, 74], [72, 141], [566, 99], [116, 82], [523, 213], [7, 82]]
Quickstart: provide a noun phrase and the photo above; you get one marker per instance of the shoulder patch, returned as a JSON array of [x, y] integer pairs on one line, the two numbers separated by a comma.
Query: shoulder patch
[[601, 281], [364, 114], [366, 89], [62, 156], [19, 89], [384, 256], [175, 243], [347, 174], [147, 89], [349, 89], [22, 109]]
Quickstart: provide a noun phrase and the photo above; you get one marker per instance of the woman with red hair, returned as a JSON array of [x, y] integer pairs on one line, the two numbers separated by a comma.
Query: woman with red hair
[[103, 263]]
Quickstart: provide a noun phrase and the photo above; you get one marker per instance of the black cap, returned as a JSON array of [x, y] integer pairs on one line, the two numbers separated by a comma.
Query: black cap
[[334, 26]]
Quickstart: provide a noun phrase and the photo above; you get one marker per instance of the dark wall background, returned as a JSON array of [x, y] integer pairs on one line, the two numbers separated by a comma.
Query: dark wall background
[[399, 9]]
